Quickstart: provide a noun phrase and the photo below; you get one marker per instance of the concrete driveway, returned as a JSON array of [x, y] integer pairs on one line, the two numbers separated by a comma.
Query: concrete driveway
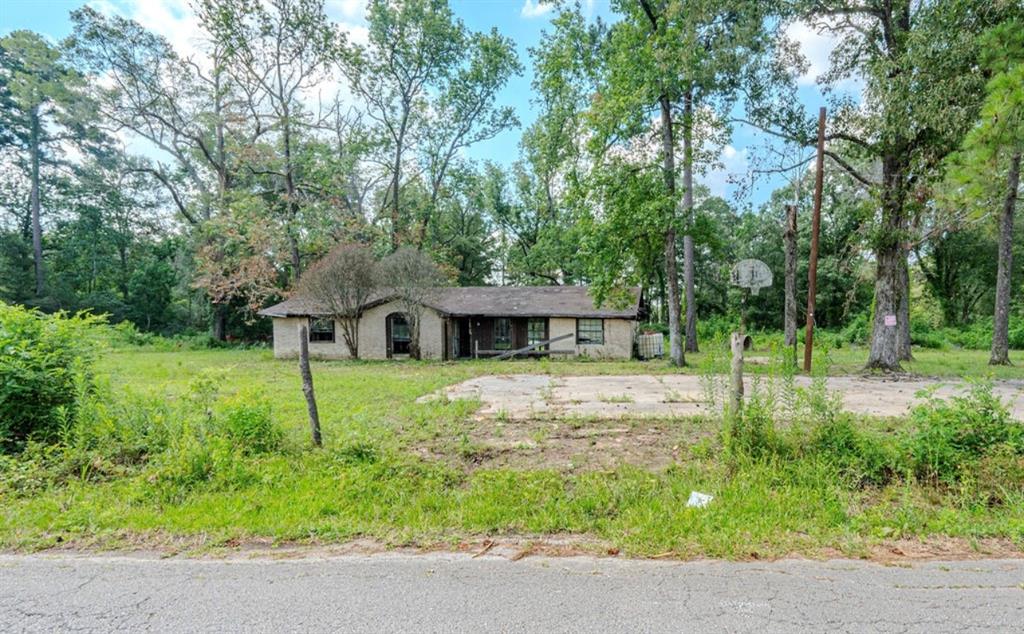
[[525, 396]]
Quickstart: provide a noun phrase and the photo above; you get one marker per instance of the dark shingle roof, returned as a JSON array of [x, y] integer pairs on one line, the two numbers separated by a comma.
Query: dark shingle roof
[[493, 301]]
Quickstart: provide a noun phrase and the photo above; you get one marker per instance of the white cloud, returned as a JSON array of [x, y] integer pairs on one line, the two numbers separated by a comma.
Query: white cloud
[[532, 9], [173, 20], [347, 10], [815, 46], [732, 164], [177, 22]]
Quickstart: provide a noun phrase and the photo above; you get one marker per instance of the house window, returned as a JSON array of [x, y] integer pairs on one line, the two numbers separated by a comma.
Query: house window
[[590, 331], [401, 338], [321, 331], [502, 333], [536, 331]]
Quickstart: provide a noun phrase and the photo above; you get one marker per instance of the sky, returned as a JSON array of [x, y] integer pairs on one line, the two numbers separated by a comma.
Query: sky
[[523, 21]]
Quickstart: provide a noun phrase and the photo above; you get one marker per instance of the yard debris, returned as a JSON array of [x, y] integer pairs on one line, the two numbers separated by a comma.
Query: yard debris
[[488, 545], [699, 500]]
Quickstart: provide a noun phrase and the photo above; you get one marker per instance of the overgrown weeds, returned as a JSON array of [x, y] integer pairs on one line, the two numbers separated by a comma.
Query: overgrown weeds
[[210, 445], [967, 444], [175, 445]]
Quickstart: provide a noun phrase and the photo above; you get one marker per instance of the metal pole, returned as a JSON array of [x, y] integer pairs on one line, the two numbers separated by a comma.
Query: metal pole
[[812, 272]]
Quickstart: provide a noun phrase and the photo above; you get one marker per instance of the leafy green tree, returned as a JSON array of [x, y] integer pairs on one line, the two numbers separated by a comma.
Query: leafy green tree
[[665, 70], [429, 88], [461, 236], [274, 51], [47, 108], [921, 94], [191, 111]]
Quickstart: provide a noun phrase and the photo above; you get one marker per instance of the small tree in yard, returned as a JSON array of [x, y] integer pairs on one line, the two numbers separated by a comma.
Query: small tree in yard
[[343, 282], [412, 277]]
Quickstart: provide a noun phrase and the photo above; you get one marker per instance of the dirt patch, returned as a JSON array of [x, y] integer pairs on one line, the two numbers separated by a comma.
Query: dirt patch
[[571, 445], [516, 547]]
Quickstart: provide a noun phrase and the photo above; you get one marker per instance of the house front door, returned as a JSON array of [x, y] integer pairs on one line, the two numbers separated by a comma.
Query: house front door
[[465, 348]]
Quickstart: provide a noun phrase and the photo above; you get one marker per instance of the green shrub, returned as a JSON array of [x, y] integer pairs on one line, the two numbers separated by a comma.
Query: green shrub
[[951, 435], [45, 367], [861, 458], [751, 431], [858, 329], [998, 476], [125, 427], [922, 334], [245, 420], [189, 462]]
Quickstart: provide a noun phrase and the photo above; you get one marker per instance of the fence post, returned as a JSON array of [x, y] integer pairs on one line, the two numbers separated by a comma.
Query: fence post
[[736, 378]]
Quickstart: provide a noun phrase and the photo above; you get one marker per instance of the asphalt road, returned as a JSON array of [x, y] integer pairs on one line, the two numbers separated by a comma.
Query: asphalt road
[[455, 593]]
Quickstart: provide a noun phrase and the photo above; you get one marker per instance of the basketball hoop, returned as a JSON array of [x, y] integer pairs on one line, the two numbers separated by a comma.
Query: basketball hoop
[[752, 274]]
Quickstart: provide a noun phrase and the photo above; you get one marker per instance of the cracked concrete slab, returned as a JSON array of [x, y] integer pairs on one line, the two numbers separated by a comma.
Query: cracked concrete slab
[[525, 396]]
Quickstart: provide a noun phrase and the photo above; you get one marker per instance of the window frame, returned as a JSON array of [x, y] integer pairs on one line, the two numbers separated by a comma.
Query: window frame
[[321, 335], [507, 344], [531, 321], [580, 341]]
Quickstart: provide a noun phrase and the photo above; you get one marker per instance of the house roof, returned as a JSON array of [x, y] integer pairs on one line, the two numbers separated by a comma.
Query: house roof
[[491, 301]]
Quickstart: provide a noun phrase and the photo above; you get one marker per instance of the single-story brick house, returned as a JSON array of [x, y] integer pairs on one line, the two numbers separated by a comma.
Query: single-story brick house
[[464, 322]]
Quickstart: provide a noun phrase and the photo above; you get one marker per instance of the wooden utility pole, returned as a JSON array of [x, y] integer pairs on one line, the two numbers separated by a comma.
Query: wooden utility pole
[[812, 271], [307, 385]]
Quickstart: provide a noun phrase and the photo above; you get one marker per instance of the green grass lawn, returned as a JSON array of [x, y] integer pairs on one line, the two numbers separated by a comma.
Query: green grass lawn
[[373, 479]]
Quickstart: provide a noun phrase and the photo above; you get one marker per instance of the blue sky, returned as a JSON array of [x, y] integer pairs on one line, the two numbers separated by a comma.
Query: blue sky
[[521, 20]]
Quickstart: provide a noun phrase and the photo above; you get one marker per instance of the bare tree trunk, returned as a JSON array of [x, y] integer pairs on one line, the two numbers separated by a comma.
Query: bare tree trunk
[[1001, 323], [222, 162], [395, 209], [675, 335], [220, 322], [889, 277], [307, 385], [903, 316], [350, 328], [413, 320], [789, 237], [37, 225], [688, 264], [293, 203]]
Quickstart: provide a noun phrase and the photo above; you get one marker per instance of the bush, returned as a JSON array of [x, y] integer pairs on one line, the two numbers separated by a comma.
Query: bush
[[999, 475], [751, 431], [857, 330], [952, 435], [45, 368], [861, 459], [124, 428], [246, 422]]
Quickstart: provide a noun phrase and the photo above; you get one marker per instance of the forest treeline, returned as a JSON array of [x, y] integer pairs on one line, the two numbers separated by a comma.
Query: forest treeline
[[185, 193]]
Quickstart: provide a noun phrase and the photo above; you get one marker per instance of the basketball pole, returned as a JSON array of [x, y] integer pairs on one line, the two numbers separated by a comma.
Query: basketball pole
[[812, 270]]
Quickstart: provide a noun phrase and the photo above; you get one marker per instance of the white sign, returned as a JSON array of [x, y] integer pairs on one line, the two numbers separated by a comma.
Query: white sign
[[752, 274], [890, 320]]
